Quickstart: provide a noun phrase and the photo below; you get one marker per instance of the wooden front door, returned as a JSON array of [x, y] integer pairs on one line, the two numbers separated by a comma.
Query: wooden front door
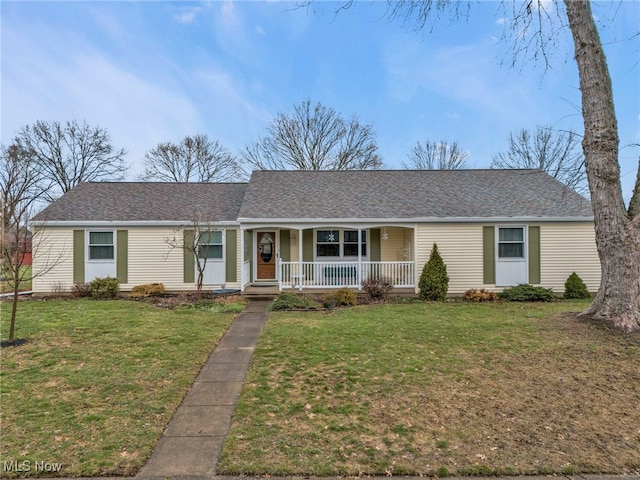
[[266, 255]]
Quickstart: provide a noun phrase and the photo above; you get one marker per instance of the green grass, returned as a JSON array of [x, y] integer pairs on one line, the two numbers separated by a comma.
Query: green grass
[[24, 285], [98, 381], [432, 388]]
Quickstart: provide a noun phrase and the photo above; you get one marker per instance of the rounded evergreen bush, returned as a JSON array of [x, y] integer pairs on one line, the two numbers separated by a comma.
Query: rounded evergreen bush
[[434, 281], [527, 293], [575, 287], [104, 288], [345, 297], [293, 301]]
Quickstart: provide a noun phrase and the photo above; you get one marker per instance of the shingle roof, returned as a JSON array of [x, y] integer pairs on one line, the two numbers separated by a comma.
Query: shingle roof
[[369, 194], [401, 194], [148, 202]]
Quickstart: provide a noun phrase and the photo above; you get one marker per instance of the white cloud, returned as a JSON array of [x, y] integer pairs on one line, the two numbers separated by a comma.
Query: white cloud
[[466, 76], [52, 75], [230, 19], [188, 15]]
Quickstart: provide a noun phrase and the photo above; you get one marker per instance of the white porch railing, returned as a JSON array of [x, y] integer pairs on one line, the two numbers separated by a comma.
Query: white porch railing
[[344, 274]]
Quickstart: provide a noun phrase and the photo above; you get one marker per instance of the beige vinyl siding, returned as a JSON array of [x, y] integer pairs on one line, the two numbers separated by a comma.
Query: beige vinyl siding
[[393, 249], [150, 260], [460, 245], [566, 248], [294, 245], [53, 247]]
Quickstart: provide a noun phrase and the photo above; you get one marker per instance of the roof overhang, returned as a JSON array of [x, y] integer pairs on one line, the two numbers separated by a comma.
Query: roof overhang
[[249, 223], [128, 223], [302, 223]]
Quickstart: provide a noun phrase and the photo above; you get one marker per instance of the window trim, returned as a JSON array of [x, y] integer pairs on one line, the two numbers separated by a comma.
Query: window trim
[[524, 242], [222, 245], [341, 244], [113, 245]]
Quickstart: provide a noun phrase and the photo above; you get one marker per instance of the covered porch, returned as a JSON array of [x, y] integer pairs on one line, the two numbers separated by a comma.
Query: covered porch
[[325, 257]]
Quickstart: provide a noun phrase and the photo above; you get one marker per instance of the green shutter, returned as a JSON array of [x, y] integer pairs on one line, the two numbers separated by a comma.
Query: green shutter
[[307, 250], [374, 245], [231, 261], [489, 255], [122, 256], [78, 256], [534, 256], [307, 245], [285, 245], [189, 261]]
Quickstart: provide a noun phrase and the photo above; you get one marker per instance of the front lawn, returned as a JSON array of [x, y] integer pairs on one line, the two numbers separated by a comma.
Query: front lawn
[[97, 382], [24, 286], [438, 389]]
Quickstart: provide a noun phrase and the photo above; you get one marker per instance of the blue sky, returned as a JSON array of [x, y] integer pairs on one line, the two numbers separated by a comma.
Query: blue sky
[[155, 71]]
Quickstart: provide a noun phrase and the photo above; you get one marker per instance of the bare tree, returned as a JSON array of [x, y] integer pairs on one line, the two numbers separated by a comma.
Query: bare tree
[[21, 190], [534, 27], [195, 240], [617, 227], [21, 182], [440, 155], [556, 152], [314, 138], [70, 154], [194, 159]]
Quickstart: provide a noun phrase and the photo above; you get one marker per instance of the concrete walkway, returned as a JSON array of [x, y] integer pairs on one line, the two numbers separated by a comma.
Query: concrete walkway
[[192, 443]]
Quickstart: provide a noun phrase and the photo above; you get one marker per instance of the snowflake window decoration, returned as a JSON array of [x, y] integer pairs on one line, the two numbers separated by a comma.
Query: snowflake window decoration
[[331, 237]]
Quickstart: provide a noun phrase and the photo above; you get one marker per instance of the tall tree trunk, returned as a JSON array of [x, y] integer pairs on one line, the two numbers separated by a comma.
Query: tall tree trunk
[[617, 229]]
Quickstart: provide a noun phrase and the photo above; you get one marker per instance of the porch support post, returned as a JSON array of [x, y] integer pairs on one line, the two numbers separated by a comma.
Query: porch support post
[[359, 275], [300, 281], [241, 259], [416, 275]]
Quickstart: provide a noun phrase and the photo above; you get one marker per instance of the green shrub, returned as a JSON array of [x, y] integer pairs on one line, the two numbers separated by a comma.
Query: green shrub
[[574, 287], [293, 301], [341, 298], [148, 290], [480, 295], [104, 288], [377, 288], [527, 293], [434, 281]]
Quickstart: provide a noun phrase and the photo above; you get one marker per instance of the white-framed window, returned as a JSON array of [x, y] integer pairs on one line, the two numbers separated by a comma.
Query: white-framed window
[[101, 245], [511, 243], [210, 245], [350, 248], [339, 243], [327, 243]]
